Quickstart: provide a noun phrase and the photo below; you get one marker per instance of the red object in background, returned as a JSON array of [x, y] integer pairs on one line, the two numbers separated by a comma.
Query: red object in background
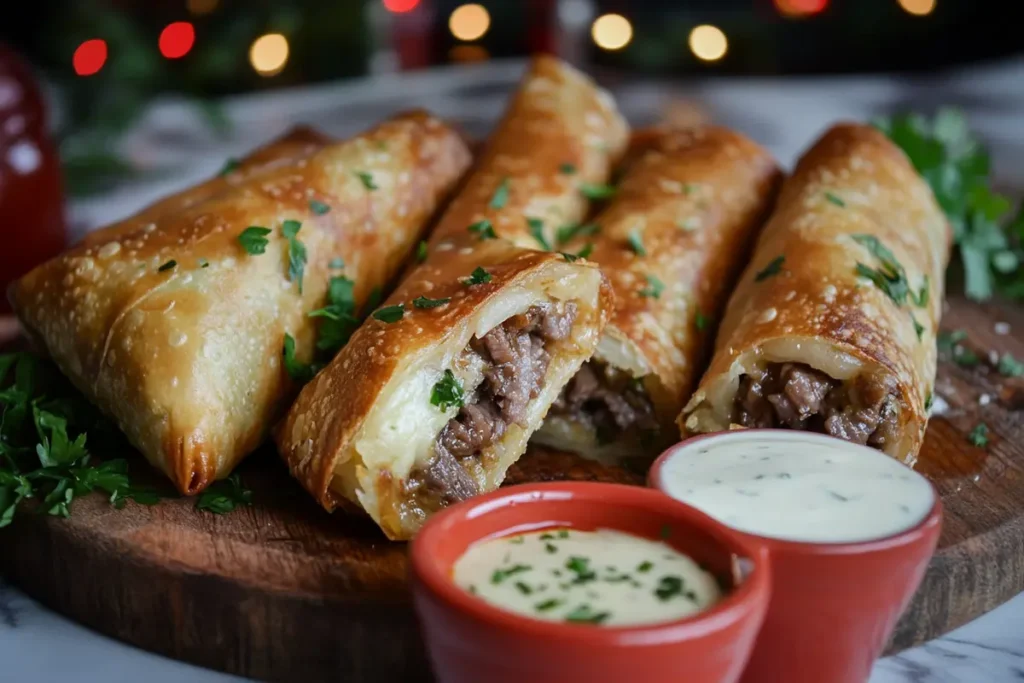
[[31, 197], [796, 8], [177, 39], [89, 57]]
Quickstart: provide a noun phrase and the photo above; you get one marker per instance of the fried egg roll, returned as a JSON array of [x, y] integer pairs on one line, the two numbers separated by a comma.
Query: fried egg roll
[[174, 322], [672, 242], [438, 393], [832, 327]]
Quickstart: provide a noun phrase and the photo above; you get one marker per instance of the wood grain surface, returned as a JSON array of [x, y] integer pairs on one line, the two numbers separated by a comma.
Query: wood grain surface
[[283, 591]]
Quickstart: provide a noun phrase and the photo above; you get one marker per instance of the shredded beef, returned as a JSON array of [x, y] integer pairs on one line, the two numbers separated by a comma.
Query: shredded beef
[[515, 360], [607, 400], [797, 396]]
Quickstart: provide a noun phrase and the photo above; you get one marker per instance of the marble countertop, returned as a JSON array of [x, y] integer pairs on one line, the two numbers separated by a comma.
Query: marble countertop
[[175, 148]]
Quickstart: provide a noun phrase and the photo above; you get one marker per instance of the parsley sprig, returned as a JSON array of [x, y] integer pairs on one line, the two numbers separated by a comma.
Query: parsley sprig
[[222, 497]]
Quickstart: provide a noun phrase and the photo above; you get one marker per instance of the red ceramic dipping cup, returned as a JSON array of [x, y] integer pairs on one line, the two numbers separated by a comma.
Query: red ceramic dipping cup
[[470, 640], [833, 605]]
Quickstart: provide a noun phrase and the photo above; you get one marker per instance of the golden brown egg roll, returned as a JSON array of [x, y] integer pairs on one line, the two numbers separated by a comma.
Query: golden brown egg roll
[[672, 242], [832, 326], [437, 394], [174, 325]]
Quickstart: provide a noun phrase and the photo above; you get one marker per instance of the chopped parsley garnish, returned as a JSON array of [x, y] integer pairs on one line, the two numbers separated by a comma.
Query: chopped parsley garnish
[[890, 278], [421, 252], [584, 614], [167, 266], [523, 588], [567, 169], [834, 199], [571, 258], [448, 392], [424, 302], [949, 345], [222, 497], [500, 197], [479, 276], [773, 268], [254, 239], [550, 548], [1010, 366], [484, 230], [654, 287], [390, 314], [567, 232], [296, 252], [336, 263], [580, 566], [367, 180], [500, 575], [636, 242], [318, 207], [979, 435], [547, 605], [918, 328], [536, 226], [595, 191], [645, 566], [562, 533], [230, 166], [299, 372], [339, 315], [702, 321], [928, 401], [203, 263], [586, 251], [669, 587]]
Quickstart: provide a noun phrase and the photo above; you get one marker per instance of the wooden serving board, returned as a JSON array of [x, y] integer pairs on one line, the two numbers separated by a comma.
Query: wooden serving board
[[284, 591]]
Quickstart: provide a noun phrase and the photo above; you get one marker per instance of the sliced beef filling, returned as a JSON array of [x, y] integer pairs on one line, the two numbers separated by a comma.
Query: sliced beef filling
[[515, 360], [607, 400], [797, 396]]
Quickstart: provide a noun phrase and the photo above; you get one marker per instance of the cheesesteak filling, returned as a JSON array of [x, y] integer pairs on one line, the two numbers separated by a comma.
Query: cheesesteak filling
[[607, 400], [797, 396], [515, 359]]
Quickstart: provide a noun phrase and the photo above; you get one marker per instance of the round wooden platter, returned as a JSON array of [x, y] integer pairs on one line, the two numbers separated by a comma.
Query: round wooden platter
[[283, 591]]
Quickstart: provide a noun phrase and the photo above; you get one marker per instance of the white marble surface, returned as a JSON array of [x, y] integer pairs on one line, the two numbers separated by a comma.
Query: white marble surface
[[38, 645]]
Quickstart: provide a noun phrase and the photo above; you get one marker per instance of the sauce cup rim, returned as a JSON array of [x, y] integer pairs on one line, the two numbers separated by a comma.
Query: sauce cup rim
[[435, 576], [907, 536]]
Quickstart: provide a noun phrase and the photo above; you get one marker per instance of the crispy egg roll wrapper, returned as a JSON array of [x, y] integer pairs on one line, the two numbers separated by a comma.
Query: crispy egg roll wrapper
[[365, 431], [693, 202], [187, 357], [816, 346]]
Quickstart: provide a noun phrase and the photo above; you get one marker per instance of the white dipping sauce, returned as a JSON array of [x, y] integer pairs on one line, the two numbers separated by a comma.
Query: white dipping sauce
[[797, 486], [587, 577]]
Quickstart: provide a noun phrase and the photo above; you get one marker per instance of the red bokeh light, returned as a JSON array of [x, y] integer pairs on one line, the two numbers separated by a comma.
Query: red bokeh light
[[400, 6], [89, 57], [177, 39], [792, 8]]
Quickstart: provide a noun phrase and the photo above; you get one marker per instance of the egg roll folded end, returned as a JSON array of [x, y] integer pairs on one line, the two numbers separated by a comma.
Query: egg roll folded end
[[833, 325]]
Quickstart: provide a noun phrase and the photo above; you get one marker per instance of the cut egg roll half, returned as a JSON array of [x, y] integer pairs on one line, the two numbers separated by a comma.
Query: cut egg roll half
[[832, 327], [672, 242]]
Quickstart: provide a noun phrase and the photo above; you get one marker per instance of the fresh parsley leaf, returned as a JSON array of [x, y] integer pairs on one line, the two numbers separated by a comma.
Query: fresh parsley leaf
[[834, 199], [702, 321], [254, 239], [586, 251], [567, 232], [636, 242], [773, 268], [891, 277], [567, 169], [224, 496], [299, 372], [669, 587], [1010, 366], [918, 328], [424, 302], [594, 191], [448, 392], [366, 179], [645, 566], [484, 229], [948, 341], [339, 319], [654, 287], [536, 226], [979, 435], [167, 266], [390, 314], [500, 197], [928, 401], [479, 276], [296, 252], [318, 207], [230, 166], [547, 605], [500, 575], [571, 258], [584, 614], [421, 252]]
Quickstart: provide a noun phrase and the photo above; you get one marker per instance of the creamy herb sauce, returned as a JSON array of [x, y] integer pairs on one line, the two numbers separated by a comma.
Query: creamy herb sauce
[[796, 486], [589, 577]]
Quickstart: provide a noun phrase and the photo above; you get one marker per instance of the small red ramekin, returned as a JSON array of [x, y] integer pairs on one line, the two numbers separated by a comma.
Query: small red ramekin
[[833, 605], [470, 640]]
